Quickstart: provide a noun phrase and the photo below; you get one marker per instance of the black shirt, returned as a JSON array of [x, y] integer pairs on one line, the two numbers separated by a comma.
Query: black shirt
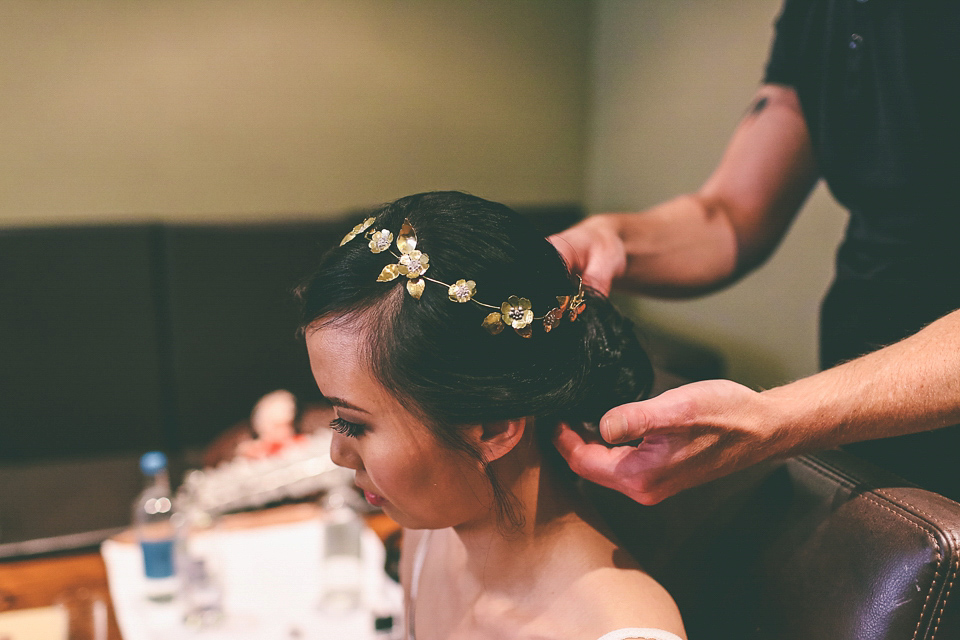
[[878, 81], [879, 85]]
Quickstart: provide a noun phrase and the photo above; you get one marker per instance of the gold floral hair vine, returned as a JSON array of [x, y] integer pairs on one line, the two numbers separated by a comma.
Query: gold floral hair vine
[[514, 312]]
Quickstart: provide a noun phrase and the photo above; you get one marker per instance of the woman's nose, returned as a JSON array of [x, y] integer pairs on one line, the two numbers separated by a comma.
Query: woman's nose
[[343, 453]]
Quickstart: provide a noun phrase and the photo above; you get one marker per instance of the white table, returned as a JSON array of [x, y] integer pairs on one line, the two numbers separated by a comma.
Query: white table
[[271, 578]]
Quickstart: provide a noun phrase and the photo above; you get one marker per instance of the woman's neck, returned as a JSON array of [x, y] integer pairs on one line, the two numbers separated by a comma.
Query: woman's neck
[[549, 509]]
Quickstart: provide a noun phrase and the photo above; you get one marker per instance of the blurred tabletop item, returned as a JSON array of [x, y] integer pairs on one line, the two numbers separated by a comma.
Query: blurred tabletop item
[[276, 422], [57, 585], [258, 568], [273, 421], [265, 576]]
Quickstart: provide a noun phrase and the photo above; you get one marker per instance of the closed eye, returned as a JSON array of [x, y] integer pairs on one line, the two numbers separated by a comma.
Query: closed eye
[[344, 427]]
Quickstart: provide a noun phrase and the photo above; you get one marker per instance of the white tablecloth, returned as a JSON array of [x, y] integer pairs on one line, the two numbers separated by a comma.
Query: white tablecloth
[[271, 583]]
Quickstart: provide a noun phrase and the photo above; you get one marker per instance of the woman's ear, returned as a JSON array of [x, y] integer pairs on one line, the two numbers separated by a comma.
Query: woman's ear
[[499, 438]]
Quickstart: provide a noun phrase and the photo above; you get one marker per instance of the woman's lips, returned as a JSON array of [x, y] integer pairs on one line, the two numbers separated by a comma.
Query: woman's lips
[[373, 498]]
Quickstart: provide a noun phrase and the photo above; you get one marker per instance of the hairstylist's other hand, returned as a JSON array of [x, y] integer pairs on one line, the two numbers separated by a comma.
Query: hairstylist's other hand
[[691, 434], [594, 249]]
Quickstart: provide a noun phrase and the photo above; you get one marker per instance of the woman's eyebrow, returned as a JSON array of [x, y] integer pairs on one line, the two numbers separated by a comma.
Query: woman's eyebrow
[[340, 402]]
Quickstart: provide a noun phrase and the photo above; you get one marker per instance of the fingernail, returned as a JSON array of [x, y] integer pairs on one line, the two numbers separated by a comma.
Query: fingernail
[[613, 427]]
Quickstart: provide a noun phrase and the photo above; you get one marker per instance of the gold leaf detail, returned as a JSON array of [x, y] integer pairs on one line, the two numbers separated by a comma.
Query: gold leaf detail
[[389, 272], [407, 240], [357, 230], [414, 264], [525, 331], [415, 287], [493, 323], [462, 290], [552, 319], [380, 241], [516, 312], [577, 310]]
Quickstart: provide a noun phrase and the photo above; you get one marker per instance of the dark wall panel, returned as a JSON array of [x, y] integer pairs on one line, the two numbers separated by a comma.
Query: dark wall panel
[[233, 319], [79, 366]]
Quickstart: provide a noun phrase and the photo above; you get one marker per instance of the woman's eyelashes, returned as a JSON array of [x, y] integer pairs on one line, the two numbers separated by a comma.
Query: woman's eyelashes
[[349, 429]]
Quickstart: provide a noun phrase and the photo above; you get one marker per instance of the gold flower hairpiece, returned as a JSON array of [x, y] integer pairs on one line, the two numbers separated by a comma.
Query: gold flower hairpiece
[[515, 312]]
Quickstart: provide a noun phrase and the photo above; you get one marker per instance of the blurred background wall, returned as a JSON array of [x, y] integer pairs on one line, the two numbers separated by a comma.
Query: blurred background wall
[[213, 110], [121, 110]]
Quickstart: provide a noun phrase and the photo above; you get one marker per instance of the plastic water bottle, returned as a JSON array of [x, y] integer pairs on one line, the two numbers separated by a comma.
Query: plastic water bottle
[[341, 576], [152, 513]]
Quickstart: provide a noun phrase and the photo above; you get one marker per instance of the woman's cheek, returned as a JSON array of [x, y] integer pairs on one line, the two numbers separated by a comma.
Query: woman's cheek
[[386, 468], [344, 453]]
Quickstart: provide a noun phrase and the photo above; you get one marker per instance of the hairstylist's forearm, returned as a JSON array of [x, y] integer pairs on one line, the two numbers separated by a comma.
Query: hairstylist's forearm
[[907, 387], [700, 241], [679, 248]]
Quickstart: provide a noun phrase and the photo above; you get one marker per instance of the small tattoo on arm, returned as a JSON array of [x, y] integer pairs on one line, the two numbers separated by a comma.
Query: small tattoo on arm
[[759, 105]]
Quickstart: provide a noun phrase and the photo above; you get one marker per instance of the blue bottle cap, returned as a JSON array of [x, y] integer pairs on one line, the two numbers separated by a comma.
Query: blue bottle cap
[[153, 462]]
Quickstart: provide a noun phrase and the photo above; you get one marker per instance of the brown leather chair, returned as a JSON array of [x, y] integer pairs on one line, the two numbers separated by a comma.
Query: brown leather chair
[[822, 547]]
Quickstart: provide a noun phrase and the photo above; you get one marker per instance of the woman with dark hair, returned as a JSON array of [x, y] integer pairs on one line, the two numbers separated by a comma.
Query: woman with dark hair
[[450, 339]]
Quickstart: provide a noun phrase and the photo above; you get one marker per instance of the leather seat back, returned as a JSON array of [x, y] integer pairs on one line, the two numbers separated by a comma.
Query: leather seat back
[[816, 547]]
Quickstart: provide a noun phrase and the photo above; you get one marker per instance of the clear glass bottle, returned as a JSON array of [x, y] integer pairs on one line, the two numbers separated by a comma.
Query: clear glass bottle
[[152, 519], [198, 563], [202, 593], [341, 578]]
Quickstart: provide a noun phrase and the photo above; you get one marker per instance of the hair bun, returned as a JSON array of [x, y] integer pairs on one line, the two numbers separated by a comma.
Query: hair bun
[[617, 369]]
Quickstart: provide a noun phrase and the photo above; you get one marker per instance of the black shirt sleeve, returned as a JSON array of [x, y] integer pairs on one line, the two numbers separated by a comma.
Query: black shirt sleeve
[[782, 64]]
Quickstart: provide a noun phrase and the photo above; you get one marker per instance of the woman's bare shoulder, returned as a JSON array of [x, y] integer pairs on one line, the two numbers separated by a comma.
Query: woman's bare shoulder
[[615, 593], [629, 597]]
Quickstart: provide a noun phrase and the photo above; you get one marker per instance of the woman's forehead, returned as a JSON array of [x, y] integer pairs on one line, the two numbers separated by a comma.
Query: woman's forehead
[[336, 359], [341, 367]]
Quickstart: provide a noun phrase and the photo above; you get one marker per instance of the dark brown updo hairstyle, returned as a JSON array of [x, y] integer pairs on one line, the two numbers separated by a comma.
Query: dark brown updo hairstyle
[[434, 355]]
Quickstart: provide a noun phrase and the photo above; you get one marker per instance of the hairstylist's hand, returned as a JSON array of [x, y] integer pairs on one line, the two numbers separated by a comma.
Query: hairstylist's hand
[[691, 434], [593, 249]]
